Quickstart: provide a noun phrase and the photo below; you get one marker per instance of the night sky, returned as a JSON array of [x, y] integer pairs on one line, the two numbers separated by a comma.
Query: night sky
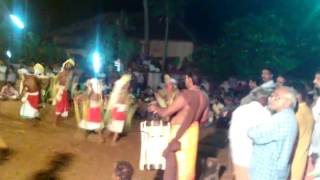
[[203, 17]]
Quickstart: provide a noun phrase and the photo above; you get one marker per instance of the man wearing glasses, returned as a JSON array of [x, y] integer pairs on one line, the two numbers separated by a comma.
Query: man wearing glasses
[[273, 141]]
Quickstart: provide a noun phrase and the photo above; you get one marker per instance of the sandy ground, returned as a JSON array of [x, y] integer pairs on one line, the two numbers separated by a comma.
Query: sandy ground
[[46, 152], [61, 152]]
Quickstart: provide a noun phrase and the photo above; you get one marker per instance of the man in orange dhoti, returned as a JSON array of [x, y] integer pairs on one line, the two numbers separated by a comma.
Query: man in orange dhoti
[[61, 100], [189, 109]]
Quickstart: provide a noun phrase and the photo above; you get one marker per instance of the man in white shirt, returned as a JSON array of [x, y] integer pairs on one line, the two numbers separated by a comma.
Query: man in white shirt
[[314, 151], [243, 118], [268, 83]]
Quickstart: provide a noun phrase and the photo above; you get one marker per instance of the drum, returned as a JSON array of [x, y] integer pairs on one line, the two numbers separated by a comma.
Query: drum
[[155, 136]]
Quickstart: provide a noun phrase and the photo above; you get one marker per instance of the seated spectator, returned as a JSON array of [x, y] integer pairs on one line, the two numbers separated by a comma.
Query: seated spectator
[[217, 108], [253, 83], [123, 171], [12, 76], [280, 81], [8, 92]]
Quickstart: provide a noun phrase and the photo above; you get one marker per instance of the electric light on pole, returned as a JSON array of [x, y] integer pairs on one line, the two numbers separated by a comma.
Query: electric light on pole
[[17, 21]]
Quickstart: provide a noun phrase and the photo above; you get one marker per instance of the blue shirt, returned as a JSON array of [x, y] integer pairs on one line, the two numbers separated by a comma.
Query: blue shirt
[[273, 145]]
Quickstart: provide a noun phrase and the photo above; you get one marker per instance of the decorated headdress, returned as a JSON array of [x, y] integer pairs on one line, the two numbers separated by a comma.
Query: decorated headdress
[[168, 79], [125, 79], [68, 61], [23, 71], [38, 69], [117, 90], [96, 85]]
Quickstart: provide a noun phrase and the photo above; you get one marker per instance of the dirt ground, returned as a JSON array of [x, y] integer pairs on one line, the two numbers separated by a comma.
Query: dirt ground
[[46, 152]]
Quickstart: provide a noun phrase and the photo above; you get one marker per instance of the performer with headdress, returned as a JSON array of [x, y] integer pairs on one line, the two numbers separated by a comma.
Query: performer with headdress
[[118, 106], [31, 97], [61, 100], [166, 96], [39, 72], [93, 120]]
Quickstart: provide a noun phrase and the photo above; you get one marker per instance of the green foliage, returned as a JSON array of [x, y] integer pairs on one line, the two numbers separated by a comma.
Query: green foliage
[[167, 8], [205, 60], [253, 42]]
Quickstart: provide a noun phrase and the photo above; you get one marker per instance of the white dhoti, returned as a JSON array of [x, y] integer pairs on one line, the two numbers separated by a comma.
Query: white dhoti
[[87, 125], [116, 126], [29, 109]]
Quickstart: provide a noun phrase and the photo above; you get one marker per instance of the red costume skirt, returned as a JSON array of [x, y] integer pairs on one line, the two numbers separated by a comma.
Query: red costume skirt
[[118, 115], [95, 114], [118, 119], [62, 106], [34, 99]]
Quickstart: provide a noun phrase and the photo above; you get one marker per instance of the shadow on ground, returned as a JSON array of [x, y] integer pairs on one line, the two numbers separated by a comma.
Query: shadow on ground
[[5, 155], [58, 163]]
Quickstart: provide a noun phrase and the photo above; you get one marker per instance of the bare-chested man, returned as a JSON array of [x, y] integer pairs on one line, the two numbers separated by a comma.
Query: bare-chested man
[[189, 109], [61, 99]]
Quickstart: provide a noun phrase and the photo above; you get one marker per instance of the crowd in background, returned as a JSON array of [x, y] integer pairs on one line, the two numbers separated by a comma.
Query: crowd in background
[[225, 100]]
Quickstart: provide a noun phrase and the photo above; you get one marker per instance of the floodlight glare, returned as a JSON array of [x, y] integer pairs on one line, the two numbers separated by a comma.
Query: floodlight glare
[[96, 62], [17, 21], [9, 54]]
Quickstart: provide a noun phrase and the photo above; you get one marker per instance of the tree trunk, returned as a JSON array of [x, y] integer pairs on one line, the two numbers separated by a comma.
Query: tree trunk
[[146, 45], [165, 55]]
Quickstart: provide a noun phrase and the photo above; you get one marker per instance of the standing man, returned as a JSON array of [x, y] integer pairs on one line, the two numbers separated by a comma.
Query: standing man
[[280, 81], [273, 141], [61, 99], [243, 118], [268, 83], [189, 109], [305, 124], [314, 151]]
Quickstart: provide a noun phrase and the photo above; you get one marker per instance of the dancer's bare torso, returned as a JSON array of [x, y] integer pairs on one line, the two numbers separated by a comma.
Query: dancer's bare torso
[[63, 78]]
